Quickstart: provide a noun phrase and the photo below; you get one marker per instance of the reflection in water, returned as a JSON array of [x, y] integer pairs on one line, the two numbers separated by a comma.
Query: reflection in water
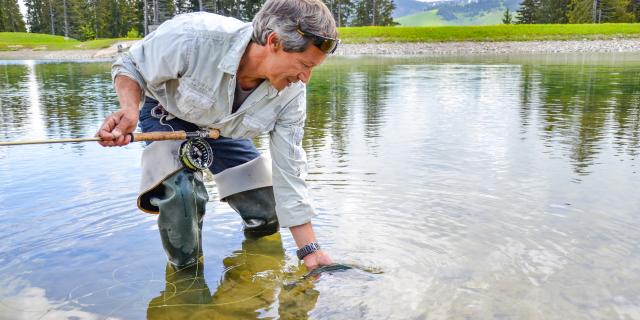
[[361, 94], [580, 106], [27, 302], [252, 279], [36, 123], [68, 100]]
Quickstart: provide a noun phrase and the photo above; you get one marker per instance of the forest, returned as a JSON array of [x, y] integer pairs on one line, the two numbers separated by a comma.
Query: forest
[[578, 11], [97, 19]]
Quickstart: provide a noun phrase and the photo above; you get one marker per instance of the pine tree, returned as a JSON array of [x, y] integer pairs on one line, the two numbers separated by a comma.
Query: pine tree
[[552, 11], [163, 11], [250, 8], [527, 12], [634, 8], [42, 16], [582, 11], [507, 18], [34, 15], [385, 11], [615, 11], [341, 9], [10, 17], [600, 11], [373, 13], [87, 27]]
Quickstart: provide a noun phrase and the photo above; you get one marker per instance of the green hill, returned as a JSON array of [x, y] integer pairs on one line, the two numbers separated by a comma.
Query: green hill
[[454, 12], [423, 19], [431, 18]]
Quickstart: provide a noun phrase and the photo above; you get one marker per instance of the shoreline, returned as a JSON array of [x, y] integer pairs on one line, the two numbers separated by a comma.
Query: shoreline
[[387, 49]]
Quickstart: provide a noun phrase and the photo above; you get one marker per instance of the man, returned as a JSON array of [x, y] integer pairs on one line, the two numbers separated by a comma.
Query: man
[[202, 70]]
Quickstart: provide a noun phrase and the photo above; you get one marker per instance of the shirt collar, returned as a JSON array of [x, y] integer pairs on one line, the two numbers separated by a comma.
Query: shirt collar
[[231, 60]]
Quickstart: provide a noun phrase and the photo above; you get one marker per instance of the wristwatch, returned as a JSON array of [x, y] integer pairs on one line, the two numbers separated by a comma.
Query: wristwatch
[[307, 250]]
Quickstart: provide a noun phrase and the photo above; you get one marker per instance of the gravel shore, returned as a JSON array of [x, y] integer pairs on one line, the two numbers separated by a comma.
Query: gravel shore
[[505, 47], [390, 49]]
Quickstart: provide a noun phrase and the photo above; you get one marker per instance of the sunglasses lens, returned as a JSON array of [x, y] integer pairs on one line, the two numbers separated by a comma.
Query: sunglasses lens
[[328, 46]]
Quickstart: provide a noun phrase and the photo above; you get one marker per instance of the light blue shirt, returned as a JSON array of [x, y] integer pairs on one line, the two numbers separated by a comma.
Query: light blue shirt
[[189, 65]]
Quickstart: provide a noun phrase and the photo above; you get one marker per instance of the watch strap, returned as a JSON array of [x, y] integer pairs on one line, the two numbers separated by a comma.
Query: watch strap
[[307, 250]]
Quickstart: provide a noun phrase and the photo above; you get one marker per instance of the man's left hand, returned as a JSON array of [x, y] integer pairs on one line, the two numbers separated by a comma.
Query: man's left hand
[[317, 259]]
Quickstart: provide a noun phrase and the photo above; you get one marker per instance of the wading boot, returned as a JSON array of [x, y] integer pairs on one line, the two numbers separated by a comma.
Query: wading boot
[[182, 207], [257, 208]]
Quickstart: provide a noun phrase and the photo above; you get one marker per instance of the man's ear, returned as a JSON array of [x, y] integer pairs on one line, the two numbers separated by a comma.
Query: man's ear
[[273, 42]]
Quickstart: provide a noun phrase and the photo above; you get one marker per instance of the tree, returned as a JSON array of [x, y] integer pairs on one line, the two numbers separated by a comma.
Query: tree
[[507, 18], [374, 13], [582, 11], [10, 17], [552, 11], [527, 12], [250, 8], [615, 11], [600, 11], [184, 6], [634, 8], [163, 10], [41, 16], [342, 10]]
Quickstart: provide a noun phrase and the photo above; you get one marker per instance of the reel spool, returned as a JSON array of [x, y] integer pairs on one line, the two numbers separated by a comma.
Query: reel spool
[[196, 154]]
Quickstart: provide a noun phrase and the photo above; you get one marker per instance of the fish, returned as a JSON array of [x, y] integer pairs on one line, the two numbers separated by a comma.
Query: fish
[[329, 269]]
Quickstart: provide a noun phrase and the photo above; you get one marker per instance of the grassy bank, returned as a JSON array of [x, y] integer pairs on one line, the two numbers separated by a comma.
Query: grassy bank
[[16, 41], [490, 33], [36, 41]]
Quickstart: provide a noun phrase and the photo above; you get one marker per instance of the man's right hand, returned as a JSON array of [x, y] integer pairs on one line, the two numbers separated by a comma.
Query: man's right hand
[[117, 126]]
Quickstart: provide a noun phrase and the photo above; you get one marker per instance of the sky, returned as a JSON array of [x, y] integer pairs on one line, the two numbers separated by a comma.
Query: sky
[[23, 9]]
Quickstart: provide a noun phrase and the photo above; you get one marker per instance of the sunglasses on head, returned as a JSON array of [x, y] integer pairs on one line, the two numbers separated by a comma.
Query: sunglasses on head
[[327, 45]]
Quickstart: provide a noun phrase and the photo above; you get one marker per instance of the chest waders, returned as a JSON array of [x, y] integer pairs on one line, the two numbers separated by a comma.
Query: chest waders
[[182, 208], [180, 198]]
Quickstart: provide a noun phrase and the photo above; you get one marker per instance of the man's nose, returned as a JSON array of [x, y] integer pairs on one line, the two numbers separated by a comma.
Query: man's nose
[[305, 76]]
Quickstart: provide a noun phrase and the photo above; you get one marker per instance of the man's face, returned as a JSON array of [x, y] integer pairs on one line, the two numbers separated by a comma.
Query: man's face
[[285, 68]]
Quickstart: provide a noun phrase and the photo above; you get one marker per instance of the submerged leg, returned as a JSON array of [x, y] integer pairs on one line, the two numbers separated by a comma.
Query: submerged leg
[[182, 208]]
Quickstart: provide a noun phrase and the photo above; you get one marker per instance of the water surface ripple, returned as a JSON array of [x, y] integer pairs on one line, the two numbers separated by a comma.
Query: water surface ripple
[[487, 187]]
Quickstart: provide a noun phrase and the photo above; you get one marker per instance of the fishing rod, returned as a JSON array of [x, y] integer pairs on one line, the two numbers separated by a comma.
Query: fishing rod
[[145, 136], [195, 153]]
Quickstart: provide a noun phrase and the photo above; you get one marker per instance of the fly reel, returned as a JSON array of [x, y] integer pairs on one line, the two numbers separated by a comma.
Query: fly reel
[[196, 154]]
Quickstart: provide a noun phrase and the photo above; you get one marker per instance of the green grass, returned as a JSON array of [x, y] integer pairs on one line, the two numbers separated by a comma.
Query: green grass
[[16, 41], [490, 33], [37, 41]]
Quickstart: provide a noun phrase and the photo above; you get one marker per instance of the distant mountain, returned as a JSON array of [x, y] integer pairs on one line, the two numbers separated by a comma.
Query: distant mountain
[[407, 7], [453, 12]]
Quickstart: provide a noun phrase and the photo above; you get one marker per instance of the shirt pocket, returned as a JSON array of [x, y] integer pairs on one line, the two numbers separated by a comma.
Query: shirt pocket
[[254, 124], [193, 101]]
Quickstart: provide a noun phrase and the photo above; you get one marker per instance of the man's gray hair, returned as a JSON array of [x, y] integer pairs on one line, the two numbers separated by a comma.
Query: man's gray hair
[[284, 17]]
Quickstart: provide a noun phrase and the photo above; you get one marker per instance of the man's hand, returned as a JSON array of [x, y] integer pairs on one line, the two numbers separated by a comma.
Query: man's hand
[[317, 259], [303, 235], [116, 127]]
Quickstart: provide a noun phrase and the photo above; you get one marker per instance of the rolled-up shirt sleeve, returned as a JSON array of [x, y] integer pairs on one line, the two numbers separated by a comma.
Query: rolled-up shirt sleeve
[[161, 56], [289, 165]]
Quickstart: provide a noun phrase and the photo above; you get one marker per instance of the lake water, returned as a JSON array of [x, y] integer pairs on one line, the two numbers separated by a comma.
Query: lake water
[[482, 187]]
